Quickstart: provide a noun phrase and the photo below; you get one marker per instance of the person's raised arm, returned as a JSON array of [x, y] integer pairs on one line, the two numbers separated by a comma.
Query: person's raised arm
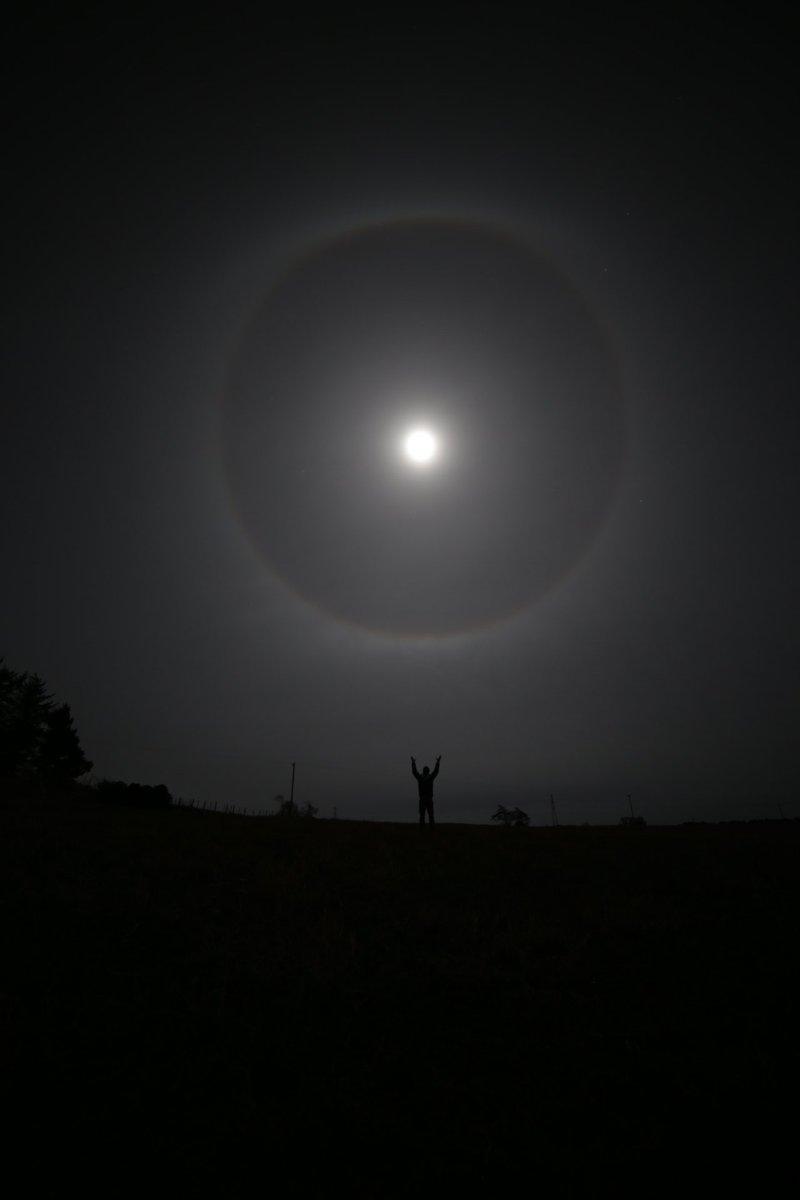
[[435, 770]]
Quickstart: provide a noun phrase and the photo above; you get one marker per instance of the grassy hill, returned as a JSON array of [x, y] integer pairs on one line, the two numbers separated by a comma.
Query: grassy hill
[[291, 1006]]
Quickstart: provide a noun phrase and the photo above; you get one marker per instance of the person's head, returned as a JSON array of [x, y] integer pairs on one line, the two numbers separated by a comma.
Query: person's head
[[426, 770]]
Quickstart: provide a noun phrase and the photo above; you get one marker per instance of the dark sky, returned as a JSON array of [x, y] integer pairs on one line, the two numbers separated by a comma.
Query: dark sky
[[243, 260]]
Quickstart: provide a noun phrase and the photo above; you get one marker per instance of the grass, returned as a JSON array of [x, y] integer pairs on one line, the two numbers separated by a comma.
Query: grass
[[239, 1002]]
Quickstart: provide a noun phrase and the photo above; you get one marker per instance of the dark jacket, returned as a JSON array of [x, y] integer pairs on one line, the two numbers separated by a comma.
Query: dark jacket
[[425, 782]]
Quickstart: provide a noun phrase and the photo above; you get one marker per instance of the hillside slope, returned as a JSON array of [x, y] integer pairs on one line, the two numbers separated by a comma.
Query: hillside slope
[[240, 999]]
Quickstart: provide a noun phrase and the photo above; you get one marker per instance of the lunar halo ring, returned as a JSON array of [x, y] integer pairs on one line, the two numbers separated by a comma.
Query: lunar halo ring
[[305, 256]]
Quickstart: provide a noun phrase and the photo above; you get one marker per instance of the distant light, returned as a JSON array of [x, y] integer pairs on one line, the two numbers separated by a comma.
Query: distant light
[[421, 446]]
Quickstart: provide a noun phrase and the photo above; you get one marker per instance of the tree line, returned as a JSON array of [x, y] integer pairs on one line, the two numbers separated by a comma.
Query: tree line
[[38, 740]]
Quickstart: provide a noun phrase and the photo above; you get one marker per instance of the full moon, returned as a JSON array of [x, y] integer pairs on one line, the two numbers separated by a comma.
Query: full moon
[[458, 413], [421, 446]]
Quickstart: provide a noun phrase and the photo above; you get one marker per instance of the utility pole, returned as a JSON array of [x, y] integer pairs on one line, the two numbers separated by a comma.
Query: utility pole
[[291, 794], [553, 813]]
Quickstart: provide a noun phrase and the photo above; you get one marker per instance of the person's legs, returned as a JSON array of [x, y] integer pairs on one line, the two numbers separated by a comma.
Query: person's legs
[[421, 813], [430, 811]]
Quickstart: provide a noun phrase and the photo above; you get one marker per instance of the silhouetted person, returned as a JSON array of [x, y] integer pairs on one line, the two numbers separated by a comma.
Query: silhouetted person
[[425, 785]]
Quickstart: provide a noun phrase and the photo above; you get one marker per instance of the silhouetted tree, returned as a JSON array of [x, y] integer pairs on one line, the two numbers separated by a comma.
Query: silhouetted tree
[[36, 736], [24, 708], [61, 758], [9, 694], [308, 811]]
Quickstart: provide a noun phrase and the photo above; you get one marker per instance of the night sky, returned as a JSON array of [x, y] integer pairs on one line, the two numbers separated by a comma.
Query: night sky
[[243, 261]]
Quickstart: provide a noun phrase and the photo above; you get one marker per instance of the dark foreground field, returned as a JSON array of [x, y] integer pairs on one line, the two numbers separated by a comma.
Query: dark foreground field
[[202, 1004]]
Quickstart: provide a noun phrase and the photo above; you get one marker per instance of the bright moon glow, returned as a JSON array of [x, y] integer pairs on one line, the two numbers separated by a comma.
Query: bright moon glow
[[421, 446]]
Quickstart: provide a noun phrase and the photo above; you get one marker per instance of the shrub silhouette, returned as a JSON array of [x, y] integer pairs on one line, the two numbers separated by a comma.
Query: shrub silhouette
[[136, 795], [511, 817], [288, 809]]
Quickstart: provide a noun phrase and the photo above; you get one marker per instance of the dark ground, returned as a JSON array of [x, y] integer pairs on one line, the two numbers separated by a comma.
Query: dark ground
[[302, 1007]]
